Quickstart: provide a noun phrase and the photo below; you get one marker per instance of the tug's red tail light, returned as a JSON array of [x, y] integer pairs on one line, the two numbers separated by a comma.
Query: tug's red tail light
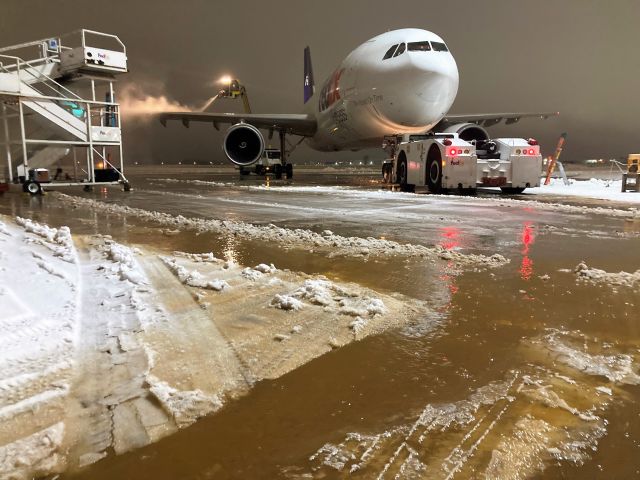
[[453, 151]]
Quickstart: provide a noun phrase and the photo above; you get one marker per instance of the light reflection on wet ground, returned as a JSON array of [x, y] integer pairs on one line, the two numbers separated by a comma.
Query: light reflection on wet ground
[[490, 327]]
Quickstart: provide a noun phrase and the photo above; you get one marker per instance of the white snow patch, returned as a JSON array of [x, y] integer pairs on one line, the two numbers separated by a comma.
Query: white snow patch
[[358, 325], [592, 188], [595, 275], [194, 278], [58, 240], [38, 454], [4, 230], [605, 390], [264, 268], [124, 265], [186, 406], [286, 302]]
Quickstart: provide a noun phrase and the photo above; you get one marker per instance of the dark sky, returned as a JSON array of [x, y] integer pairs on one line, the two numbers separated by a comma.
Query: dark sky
[[579, 57]]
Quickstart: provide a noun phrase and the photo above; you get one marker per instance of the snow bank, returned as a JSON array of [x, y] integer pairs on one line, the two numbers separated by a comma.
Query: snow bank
[[290, 238], [59, 239], [194, 278], [592, 188], [595, 275], [185, 406]]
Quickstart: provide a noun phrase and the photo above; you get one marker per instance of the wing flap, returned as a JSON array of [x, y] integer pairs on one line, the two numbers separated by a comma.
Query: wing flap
[[489, 119], [296, 124]]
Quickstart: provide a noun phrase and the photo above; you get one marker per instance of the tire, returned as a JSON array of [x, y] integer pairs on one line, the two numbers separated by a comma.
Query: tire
[[277, 171], [33, 188], [434, 174], [244, 172], [289, 171], [387, 170], [127, 186], [512, 190], [402, 173]]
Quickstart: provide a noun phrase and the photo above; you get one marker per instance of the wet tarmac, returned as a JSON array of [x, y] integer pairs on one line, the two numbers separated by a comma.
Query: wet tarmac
[[523, 371]]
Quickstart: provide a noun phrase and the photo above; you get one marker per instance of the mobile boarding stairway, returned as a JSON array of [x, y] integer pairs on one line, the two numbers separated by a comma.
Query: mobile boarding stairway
[[58, 110]]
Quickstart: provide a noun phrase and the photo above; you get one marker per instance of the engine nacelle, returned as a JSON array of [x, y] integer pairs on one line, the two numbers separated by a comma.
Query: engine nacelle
[[468, 131], [243, 144]]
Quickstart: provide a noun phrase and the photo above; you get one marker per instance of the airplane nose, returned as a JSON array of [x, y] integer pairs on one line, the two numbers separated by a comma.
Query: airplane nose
[[435, 79]]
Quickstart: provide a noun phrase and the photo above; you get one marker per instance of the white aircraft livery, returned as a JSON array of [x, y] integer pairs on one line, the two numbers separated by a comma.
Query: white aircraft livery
[[400, 82]]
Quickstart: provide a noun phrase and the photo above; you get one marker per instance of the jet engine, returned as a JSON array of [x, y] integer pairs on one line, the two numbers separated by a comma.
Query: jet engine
[[468, 131], [243, 144]]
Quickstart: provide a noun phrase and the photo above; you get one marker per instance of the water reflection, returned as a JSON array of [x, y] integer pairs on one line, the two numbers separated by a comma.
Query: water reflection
[[450, 237], [527, 237]]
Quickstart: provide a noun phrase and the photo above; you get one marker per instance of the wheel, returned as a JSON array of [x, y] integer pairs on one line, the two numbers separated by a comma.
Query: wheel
[[127, 186], [387, 170], [244, 172], [512, 190], [277, 171], [434, 173], [33, 188], [401, 173], [289, 170]]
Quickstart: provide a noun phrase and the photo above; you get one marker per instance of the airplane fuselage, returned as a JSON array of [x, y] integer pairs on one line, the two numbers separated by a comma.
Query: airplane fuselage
[[377, 91]]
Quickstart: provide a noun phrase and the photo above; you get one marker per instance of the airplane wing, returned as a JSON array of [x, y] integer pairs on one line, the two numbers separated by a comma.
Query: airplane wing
[[488, 119], [295, 124]]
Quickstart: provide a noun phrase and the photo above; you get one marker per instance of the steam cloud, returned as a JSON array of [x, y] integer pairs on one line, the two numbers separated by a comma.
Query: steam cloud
[[138, 104]]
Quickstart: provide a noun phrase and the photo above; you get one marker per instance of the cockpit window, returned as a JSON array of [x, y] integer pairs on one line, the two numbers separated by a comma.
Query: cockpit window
[[401, 48], [389, 53], [418, 46], [439, 47]]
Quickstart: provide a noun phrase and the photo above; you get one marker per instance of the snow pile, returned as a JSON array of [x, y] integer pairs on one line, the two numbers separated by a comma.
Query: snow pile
[[595, 275], [332, 297], [286, 302], [58, 240], [592, 188], [321, 292], [123, 265], [258, 271], [36, 455], [358, 325], [290, 238], [199, 257], [193, 278], [185, 406]]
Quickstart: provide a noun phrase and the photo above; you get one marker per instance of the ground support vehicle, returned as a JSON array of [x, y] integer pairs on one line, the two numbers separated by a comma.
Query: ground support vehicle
[[445, 162]]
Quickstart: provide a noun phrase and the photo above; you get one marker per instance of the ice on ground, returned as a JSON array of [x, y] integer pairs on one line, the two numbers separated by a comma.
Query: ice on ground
[[194, 278], [595, 275], [286, 302], [619, 368], [293, 238], [33, 456]]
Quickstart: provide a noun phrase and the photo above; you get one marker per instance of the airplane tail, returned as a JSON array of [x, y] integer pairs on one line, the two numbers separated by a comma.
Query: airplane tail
[[309, 87]]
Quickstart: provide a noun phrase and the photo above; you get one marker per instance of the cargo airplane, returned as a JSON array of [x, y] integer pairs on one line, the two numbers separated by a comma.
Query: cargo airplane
[[400, 82]]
